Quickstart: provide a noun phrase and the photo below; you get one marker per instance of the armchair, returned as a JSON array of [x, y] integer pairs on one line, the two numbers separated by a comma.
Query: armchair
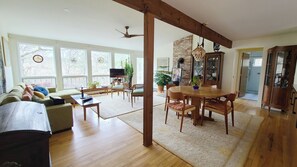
[[137, 91]]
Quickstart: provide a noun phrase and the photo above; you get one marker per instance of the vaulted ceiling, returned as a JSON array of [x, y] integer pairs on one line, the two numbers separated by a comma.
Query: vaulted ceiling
[[95, 21]]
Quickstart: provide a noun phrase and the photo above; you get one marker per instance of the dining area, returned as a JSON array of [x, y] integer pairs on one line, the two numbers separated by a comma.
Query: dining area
[[189, 102]]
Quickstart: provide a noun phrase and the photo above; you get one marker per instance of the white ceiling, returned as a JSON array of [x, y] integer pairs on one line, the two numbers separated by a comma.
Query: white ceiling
[[95, 21]]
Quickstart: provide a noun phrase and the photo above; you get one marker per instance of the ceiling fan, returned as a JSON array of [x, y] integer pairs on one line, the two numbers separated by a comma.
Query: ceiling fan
[[127, 35]]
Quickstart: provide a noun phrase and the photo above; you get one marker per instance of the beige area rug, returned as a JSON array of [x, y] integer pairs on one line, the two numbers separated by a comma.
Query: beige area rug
[[112, 107], [206, 145]]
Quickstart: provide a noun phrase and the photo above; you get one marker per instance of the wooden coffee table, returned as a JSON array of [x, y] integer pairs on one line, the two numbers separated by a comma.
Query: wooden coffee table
[[85, 105]]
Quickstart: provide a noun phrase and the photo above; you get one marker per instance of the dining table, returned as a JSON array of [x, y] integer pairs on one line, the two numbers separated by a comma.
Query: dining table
[[198, 97]]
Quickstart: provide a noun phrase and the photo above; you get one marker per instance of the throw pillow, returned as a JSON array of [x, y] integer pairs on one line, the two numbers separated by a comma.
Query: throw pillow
[[29, 90], [26, 96], [57, 100], [39, 94], [41, 89]]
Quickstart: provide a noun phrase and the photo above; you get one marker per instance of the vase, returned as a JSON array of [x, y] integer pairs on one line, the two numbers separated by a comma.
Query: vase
[[195, 87]]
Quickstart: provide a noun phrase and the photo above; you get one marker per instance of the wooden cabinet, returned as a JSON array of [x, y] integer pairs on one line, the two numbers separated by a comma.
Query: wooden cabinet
[[210, 69], [279, 76], [24, 134]]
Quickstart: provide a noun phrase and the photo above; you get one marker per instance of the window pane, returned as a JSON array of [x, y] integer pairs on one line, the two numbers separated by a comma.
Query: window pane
[[140, 70], [29, 67], [257, 62], [103, 80], [46, 82], [74, 62], [74, 82], [101, 63], [120, 60]]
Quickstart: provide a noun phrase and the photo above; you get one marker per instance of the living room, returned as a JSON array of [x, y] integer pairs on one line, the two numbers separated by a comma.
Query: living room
[[75, 26]]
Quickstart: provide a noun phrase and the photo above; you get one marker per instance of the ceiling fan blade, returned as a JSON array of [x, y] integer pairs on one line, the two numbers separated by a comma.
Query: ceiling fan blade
[[120, 32], [135, 35]]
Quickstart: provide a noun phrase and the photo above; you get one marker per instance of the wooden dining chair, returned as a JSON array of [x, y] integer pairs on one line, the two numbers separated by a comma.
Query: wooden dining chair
[[176, 102], [221, 106], [167, 87]]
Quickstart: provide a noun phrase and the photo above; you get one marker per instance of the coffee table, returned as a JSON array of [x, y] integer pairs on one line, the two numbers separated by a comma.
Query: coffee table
[[85, 105]]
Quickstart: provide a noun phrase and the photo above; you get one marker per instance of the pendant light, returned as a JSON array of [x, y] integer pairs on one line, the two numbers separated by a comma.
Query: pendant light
[[199, 52]]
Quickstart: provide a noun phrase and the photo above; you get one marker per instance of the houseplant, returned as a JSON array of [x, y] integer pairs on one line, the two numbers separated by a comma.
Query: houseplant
[[196, 82], [162, 78], [129, 72], [93, 84]]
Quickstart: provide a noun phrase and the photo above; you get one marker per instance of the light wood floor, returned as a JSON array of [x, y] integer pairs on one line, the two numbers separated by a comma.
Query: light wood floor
[[98, 142]]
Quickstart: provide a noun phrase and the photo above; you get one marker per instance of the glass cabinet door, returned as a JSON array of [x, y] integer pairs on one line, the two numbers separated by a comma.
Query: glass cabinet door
[[268, 69], [198, 68], [282, 69], [212, 66]]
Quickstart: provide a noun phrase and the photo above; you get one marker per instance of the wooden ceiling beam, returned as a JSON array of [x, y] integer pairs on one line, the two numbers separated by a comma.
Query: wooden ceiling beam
[[170, 15]]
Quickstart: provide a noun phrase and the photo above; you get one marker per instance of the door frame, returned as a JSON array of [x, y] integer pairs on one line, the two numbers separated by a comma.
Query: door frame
[[239, 64]]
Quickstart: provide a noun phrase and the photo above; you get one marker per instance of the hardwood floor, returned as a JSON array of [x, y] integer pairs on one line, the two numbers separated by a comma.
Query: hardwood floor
[[98, 142]]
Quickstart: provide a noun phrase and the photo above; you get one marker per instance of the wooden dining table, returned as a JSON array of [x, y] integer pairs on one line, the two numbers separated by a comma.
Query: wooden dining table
[[198, 97]]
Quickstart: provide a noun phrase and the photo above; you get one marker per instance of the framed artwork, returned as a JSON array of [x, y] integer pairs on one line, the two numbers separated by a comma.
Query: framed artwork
[[163, 63], [176, 74], [2, 71]]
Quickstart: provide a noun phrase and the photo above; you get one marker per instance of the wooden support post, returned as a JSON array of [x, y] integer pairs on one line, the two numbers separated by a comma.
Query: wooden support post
[[148, 79]]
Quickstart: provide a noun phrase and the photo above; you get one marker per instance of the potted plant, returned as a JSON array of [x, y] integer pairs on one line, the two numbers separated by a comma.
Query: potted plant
[[129, 72], [162, 78], [196, 82], [93, 84]]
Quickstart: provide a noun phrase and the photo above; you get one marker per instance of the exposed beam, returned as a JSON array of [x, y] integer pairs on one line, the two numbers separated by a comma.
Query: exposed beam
[[172, 16], [148, 79]]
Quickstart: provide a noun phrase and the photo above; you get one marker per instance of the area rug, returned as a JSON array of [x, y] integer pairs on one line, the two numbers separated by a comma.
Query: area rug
[[206, 145], [112, 107]]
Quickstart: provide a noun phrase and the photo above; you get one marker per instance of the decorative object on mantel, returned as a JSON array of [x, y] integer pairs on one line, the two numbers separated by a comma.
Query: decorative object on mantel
[[37, 58], [216, 47]]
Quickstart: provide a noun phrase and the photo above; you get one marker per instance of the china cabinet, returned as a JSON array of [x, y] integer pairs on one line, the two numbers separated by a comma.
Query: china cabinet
[[210, 69], [279, 76]]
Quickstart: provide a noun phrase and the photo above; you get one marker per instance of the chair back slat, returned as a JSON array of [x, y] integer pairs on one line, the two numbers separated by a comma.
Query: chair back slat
[[175, 95]]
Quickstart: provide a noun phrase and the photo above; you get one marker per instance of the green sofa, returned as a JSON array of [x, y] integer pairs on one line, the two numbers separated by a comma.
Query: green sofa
[[60, 116]]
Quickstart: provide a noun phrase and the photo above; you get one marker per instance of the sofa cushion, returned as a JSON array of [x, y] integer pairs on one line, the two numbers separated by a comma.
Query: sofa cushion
[[47, 102], [10, 99], [39, 94], [65, 93]]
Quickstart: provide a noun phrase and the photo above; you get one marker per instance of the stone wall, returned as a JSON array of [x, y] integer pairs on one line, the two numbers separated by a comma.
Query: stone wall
[[183, 49]]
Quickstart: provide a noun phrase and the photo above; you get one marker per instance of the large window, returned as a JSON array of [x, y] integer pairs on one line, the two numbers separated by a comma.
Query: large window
[[37, 64], [74, 67], [140, 70], [101, 63], [120, 59]]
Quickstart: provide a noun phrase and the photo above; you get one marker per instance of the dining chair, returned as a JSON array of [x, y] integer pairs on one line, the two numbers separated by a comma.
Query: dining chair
[[220, 106], [176, 102], [136, 91], [167, 87]]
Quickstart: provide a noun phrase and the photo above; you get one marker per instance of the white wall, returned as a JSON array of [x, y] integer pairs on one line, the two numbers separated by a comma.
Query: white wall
[[164, 51], [15, 39], [231, 57]]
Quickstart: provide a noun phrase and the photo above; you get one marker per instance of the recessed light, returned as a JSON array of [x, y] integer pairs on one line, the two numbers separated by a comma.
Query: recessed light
[[66, 10]]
